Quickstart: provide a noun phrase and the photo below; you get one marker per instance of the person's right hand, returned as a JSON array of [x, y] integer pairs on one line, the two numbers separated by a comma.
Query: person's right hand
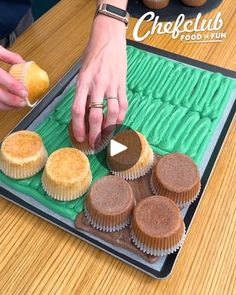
[[13, 93], [102, 74]]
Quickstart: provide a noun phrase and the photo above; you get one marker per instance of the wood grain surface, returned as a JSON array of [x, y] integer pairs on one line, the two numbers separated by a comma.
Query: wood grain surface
[[38, 258]]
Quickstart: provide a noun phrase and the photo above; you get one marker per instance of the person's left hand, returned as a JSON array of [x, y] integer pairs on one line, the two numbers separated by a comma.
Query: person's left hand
[[103, 73], [12, 92]]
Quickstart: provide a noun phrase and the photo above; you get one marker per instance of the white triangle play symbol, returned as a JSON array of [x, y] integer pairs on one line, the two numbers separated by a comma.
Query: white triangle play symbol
[[116, 147]]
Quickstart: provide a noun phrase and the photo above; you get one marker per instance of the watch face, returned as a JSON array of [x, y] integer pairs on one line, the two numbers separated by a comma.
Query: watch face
[[116, 10]]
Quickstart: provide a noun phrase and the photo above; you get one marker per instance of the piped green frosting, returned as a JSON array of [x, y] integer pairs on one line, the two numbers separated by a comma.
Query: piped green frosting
[[174, 105]]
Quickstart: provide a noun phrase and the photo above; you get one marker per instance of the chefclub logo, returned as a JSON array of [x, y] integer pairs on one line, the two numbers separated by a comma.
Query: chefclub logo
[[198, 30]]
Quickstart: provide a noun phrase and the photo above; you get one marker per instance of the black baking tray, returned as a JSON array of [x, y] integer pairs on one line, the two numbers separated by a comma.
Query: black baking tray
[[57, 90]]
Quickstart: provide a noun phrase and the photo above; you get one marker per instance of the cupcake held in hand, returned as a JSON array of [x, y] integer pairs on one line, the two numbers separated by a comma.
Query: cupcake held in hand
[[33, 78]]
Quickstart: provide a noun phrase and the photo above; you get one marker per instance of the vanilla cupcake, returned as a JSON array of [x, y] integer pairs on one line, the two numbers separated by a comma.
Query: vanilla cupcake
[[156, 4], [85, 146], [109, 209], [22, 154], [67, 174], [177, 177], [33, 78], [136, 160], [194, 3], [157, 227]]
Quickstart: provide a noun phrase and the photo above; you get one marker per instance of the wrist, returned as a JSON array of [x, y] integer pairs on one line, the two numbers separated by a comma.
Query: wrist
[[108, 24]]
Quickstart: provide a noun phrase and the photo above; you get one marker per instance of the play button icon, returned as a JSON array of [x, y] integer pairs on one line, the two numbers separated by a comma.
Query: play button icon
[[115, 148], [123, 149]]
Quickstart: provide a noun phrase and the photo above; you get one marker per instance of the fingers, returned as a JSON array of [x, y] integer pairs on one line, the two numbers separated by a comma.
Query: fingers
[[78, 111], [95, 126], [10, 99], [112, 108], [123, 103], [10, 57], [4, 107], [116, 109], [96, 115], [12, 92], [12, 85]]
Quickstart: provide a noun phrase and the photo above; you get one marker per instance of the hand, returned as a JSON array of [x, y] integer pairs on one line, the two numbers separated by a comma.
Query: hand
[[12, 93], [103, 73]]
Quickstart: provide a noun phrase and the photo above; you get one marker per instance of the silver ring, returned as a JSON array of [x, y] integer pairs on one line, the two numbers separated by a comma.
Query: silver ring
[[96, 105]]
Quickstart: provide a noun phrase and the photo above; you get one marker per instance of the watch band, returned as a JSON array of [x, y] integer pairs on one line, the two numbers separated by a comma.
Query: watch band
[[113, 11]]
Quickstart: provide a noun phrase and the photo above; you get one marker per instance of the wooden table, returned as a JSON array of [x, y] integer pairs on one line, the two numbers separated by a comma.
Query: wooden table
[[38, 258]]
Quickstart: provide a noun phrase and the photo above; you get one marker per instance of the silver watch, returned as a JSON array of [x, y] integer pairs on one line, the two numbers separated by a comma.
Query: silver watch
[[113, 11]]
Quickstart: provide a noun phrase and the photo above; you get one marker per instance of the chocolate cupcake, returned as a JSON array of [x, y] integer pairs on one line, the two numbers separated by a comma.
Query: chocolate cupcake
[[194, 3], [85, 146], [109, 204], [157, 226], [22, 154], [176, 176], [156, 4]]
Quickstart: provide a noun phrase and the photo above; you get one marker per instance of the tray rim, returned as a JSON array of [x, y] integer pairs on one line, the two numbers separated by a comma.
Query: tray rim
[[170, 261]]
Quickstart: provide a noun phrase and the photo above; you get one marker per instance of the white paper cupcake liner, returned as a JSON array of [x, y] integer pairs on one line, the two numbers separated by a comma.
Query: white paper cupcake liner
[[63, 193], [25, 170], [157, 252], [89, 151], [180, 204], [134, 173], [103, 227], [31, 105]]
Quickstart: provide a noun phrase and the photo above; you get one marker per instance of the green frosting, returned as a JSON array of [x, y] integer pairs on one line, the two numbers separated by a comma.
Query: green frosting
[[174, 105]]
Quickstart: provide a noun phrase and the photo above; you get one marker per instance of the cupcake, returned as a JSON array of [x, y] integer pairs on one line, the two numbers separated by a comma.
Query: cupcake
[[176, 176], [109, 204], [33, 77], [156, 4], [67, 174], [22, 154], [194, 3], [157, 226], [136, 161], [85, 147]]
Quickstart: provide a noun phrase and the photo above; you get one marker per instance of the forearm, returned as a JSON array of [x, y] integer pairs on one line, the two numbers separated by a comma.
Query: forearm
[[118, 3], [102, 74]]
